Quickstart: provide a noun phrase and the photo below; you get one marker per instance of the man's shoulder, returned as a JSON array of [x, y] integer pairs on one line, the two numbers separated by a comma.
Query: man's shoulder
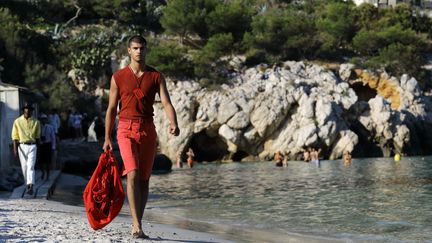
[[34, 120], [19, 118], [152, 70], [120, 71], [155, 75]]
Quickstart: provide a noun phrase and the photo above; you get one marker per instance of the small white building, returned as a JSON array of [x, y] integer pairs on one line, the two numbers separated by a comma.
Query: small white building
[[359, 2], [12, 98], [424, 4]]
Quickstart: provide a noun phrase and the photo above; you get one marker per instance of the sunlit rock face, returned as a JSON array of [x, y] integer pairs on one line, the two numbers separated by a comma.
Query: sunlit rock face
[[385, 86], [296, 106]]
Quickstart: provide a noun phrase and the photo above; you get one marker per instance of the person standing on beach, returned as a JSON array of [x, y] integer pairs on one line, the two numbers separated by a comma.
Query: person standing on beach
[[134, 88], [26, 132], [179, 161], [306, 155], [278, 158], [47, 145], [190, 160], [347, 158], [54, 120], [285, 159], [314, 156]]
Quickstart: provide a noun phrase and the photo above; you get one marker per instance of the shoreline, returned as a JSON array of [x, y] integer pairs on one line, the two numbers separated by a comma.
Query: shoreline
[[23, 220], [43, 220], [163, 222]]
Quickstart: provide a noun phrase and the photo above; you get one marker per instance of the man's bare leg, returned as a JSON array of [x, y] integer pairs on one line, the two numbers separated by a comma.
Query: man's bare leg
[[144, 196], [134, 197]]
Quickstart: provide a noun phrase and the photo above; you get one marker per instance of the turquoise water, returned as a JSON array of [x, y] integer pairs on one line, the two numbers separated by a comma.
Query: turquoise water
[[372, 199]]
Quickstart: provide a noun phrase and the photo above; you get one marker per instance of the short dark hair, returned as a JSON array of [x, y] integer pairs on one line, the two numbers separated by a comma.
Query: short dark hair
[[137, 39], [28, 106]]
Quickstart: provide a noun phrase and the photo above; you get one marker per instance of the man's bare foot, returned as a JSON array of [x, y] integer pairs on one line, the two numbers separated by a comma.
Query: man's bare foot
[[137, 233], [30, 189]]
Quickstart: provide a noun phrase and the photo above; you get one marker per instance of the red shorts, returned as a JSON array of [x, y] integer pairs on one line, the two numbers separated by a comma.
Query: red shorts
[[137, 143]]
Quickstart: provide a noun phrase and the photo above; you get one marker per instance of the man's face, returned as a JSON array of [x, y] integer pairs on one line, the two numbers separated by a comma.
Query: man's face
[[27, 112], [137, 51]]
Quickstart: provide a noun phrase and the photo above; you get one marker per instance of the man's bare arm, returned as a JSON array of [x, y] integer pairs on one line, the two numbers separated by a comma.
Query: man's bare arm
[[15, 148], [110, 114], [169, 109]]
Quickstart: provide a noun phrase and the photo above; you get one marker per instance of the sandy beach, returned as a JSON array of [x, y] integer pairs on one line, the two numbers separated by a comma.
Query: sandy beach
[[40, 220]]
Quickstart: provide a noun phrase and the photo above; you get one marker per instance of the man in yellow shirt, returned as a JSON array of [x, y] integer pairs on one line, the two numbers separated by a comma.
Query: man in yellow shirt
[[25, 135]]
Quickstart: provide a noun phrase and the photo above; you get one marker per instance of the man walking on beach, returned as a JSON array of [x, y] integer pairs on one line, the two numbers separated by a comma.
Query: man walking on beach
[[135, 87], [25, 135]]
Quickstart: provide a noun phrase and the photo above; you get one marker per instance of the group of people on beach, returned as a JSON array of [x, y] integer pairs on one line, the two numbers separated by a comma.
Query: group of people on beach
[[35, 140], [81, 127], [190, 158], [281, 159], [310, 154]]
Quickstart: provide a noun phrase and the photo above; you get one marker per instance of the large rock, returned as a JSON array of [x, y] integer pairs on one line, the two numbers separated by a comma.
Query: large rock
[[298, 105], [162, 164], [346, 71], [346, 142], [11, 178]]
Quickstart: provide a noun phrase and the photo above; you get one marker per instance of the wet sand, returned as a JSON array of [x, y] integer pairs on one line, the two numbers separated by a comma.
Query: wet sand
[[39, 220]]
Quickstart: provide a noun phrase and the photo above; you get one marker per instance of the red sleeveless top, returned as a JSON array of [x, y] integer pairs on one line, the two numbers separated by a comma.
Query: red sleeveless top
[[127, 82]]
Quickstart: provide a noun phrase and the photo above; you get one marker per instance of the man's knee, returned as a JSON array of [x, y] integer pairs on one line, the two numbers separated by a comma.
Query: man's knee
[[133, 175]]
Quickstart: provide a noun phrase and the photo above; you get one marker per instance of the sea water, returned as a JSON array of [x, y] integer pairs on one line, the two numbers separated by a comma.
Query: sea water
[[374, 199]]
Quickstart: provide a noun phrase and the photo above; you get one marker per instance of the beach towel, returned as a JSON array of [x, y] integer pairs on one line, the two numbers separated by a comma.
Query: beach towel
[[104, 194]]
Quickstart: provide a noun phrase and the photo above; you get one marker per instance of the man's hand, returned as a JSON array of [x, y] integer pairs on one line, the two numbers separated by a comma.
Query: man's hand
[[15, 151], [174, 130], [107, 145]]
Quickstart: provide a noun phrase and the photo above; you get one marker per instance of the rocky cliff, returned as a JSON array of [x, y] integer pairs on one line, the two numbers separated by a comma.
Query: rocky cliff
[[296, 106]]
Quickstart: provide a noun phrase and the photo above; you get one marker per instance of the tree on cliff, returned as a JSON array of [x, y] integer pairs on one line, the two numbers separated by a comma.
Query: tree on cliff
[[187, 17], [336, 26], [283, 34]]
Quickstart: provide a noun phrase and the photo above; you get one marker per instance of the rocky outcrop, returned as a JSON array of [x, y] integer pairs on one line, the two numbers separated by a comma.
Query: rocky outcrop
[[11, 178], [296, 106]]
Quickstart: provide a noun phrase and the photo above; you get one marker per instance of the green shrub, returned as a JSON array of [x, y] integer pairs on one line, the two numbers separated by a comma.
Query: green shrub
[[207, 61], [398, 59], [337, 26], [283, 34], [367, 42], [210, 68], [171, 59], [187, 17], [233, 17], [365, 16], [255, 57], [62, 95]]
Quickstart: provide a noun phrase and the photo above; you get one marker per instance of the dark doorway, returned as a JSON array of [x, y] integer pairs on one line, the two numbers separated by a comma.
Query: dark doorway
[[363, 92], [239, 155], [207, 148]]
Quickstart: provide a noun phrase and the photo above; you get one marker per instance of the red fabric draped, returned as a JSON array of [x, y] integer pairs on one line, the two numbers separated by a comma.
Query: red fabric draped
[[104, 194]]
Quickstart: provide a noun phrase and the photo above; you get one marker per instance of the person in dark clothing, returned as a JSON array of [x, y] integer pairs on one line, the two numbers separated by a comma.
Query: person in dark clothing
[[47, 146]]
